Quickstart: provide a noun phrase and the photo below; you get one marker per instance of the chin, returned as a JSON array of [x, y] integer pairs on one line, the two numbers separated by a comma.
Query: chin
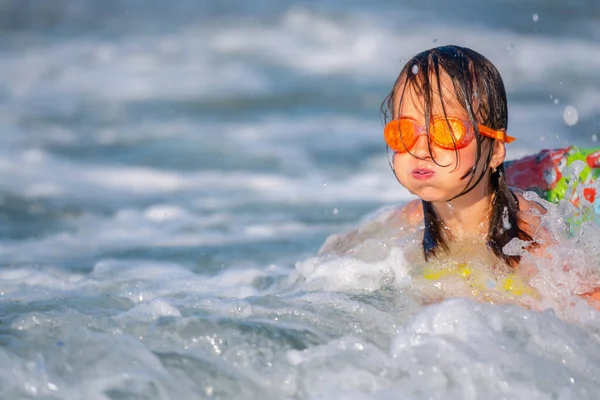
[[434, 199], [431, 195]]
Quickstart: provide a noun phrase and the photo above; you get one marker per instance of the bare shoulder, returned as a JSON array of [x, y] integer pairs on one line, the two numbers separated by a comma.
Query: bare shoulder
[[390, 223], [412, 213], [528, 207]]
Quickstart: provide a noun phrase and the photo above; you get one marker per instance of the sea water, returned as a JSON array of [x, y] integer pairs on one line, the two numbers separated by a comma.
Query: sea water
[[171, 172]]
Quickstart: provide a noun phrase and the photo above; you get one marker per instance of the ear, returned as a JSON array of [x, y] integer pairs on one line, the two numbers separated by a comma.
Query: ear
[[498, 154]]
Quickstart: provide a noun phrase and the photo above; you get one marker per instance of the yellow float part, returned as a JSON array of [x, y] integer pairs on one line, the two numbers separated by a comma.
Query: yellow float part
[[515, 285], [462, 270], [512, 284]]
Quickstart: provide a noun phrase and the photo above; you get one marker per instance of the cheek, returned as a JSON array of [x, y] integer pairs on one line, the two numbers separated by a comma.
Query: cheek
[[400, 163], [465, 159], [401, 167]]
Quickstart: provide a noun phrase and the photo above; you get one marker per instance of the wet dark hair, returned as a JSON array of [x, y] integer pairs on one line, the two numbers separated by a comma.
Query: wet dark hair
[[480, 91]]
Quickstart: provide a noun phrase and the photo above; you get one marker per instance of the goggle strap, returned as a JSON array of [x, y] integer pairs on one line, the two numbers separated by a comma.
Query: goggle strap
[[498, 135]]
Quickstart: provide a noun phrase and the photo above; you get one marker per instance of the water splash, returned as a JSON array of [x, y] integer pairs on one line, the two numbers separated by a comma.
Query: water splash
[[570, 115]]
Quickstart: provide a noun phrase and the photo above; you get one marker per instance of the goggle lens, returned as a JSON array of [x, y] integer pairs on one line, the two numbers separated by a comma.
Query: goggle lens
[[448, 134], [400, 134]]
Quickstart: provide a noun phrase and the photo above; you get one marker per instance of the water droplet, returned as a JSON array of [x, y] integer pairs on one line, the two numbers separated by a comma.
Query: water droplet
[[505, 222], [535, 17], [510, 48], [325, 183], [556, 101], [415, 69], [570, 115], [335, 211], [543, 137], [551, 97], [594, 138]]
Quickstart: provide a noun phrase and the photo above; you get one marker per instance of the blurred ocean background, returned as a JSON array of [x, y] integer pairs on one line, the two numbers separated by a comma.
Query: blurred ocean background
[[170, 170]]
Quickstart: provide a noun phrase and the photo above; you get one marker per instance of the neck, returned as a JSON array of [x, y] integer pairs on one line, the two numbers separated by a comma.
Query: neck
[[467, 215]]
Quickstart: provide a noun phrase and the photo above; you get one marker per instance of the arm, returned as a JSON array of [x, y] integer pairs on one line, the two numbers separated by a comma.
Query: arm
[[530, 220], [593, 298], [530, 214]]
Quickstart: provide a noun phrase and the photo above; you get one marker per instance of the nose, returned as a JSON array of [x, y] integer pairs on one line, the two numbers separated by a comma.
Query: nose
[[421, 147]]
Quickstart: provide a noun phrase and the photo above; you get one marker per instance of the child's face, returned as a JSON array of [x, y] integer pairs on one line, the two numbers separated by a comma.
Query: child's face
[[418, 172]]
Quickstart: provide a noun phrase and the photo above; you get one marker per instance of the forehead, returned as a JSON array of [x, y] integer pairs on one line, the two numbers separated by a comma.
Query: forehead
[[410, 102]]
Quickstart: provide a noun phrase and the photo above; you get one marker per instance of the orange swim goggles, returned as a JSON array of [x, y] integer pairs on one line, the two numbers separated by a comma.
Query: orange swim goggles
[[448, 133]]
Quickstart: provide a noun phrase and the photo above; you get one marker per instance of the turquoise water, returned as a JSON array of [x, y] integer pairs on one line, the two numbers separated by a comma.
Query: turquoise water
[[170, 172]]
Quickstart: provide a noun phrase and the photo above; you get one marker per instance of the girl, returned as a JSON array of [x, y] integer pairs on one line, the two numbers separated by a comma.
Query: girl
[[446, 120], [449, 115]]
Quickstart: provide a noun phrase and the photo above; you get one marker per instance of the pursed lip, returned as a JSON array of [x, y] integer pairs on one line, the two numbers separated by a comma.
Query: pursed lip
[[422, 173]]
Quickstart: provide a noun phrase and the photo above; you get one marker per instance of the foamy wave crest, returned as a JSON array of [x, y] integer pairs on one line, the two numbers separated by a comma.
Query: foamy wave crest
[[347, 274], [458, 349]]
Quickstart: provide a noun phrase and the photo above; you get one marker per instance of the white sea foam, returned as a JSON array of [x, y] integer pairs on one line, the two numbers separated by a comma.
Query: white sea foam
[[164, 226], [458, 349], [35, 173], [152, 310], [366, 347]]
